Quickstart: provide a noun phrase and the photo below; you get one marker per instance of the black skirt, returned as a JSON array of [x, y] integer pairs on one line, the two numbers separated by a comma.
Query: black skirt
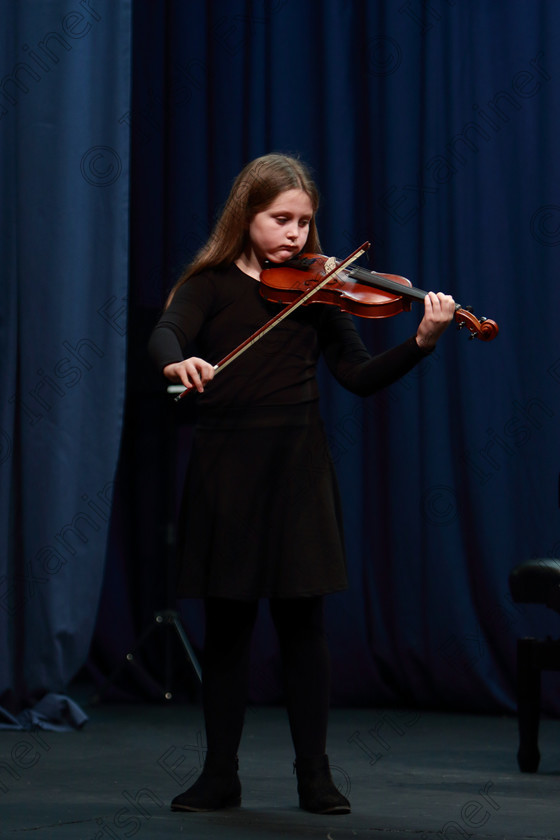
[[261, 514]]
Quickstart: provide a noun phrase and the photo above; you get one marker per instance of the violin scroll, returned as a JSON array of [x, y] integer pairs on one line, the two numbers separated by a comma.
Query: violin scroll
[[482, 328]]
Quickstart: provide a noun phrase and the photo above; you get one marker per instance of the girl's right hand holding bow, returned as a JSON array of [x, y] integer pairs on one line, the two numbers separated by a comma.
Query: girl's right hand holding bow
[[192, 373]]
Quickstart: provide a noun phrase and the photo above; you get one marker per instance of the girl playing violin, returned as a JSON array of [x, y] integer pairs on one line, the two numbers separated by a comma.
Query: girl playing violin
[[261, 515]]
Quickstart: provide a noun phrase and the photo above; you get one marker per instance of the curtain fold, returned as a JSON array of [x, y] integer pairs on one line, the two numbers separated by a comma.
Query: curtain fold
[[65, 150]]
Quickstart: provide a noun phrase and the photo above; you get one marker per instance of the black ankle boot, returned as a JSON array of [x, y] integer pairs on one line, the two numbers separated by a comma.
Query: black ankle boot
[[218, 786], [317, 791]]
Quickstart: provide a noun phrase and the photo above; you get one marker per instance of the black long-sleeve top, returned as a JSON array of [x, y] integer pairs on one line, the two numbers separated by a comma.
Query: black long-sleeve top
[[217, 310]]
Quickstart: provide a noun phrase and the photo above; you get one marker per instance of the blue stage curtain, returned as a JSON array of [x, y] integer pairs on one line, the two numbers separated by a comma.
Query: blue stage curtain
[[431, 128], [64, 133]]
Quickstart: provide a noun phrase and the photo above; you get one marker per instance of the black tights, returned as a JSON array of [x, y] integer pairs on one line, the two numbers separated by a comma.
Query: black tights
[[306, 667]]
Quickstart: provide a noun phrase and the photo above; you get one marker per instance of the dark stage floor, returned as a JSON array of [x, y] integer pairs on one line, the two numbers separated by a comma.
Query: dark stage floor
[[418, 776]]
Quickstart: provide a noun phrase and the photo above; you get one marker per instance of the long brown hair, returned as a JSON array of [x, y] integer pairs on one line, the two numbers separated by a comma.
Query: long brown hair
[[254, 189]]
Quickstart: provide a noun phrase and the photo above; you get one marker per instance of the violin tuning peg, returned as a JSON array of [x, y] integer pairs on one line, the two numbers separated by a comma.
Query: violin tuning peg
[[482, 320], [467, 308]]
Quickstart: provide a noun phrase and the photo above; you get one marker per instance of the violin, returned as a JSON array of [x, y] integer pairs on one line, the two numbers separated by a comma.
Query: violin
[[359, 291], [313, 278]]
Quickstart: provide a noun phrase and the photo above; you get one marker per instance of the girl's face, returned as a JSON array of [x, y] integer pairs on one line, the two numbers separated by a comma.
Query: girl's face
[[280, 232]]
